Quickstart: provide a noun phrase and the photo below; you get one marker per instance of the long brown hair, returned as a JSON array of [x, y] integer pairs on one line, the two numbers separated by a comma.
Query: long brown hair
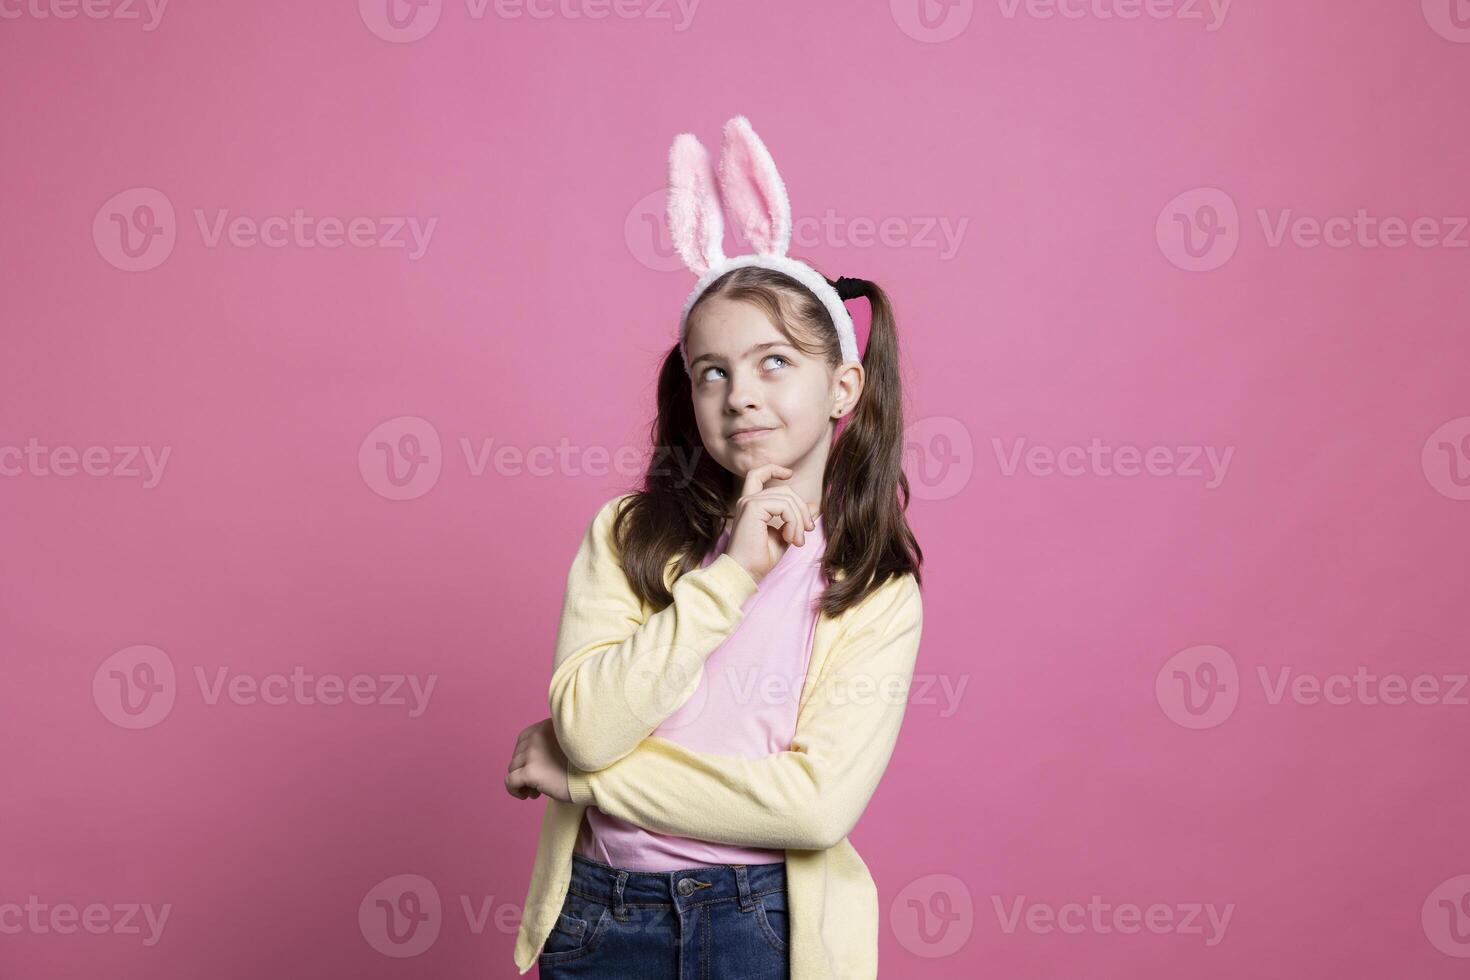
[[680, 511]]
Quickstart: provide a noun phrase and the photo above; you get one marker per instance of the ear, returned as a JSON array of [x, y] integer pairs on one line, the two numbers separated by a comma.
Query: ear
[[695, 221], [754, 194]]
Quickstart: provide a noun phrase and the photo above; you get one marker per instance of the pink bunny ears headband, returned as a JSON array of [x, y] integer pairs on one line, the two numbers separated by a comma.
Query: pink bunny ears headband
[[754, 196]]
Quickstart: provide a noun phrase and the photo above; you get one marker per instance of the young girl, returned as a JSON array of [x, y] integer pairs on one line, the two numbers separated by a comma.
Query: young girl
[[736, 643]]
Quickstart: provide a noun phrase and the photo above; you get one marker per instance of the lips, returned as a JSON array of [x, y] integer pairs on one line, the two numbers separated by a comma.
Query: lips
[[745, 435]]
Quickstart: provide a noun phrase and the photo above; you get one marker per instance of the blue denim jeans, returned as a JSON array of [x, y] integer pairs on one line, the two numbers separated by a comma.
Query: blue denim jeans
[[726, 922]]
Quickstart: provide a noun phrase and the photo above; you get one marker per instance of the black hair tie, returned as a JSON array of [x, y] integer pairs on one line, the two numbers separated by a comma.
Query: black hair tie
[[849, 288]]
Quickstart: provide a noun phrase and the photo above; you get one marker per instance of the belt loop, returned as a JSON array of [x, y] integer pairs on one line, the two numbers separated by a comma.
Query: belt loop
[[620, 911], [742, 888]]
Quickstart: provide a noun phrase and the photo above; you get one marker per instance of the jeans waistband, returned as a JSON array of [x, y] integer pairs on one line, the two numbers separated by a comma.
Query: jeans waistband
[[619, 887]]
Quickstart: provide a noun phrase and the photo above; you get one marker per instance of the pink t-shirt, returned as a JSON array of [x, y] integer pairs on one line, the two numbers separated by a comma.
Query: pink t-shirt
[[745, 705]]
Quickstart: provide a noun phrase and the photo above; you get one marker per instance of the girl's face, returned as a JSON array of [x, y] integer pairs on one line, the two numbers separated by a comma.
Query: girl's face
[[745, 374]]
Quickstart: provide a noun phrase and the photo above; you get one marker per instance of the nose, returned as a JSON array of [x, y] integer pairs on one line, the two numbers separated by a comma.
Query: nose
[[743, 392]]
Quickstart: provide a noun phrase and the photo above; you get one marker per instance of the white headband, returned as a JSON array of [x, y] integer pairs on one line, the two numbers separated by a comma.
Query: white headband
[[752, 192]]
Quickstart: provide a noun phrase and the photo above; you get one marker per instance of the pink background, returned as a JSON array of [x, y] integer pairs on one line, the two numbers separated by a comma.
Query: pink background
[[1076, 151]]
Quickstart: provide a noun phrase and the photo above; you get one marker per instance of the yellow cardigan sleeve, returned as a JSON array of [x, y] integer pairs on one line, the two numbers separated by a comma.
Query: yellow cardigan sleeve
[[808, 797], [616, 676]]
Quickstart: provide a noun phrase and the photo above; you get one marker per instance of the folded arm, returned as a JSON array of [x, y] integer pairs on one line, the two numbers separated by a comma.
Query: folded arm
[[806, 798], [617, 676]]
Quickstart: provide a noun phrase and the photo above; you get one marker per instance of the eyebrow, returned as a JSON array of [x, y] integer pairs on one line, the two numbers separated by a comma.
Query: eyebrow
[[748, 351]]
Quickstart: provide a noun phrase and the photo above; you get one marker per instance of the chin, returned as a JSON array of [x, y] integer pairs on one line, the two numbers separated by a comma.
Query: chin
[[749, 457]]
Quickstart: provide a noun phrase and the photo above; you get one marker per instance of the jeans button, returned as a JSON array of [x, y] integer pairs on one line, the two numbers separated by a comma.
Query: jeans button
[[685, 886]]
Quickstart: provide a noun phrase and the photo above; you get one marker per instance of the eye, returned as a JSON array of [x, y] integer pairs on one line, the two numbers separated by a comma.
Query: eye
[[704, 372]]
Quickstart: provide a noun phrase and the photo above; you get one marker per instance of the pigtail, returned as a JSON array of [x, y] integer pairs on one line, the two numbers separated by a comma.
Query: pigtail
[[867, 492]]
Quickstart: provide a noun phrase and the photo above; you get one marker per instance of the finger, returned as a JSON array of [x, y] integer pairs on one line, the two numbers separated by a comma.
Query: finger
[[803, 523], [802, 507], [805, 510], [521, 783], [521, 743], [518, 759], [755, 480], [775, 510], [793, 511]]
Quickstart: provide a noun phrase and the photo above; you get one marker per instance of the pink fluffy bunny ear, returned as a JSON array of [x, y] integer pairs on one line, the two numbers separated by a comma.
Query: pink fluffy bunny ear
[[695, 221], [754, 193]]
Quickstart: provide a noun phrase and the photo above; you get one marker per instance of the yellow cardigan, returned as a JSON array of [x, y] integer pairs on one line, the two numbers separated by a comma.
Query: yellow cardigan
[[611, 652]]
